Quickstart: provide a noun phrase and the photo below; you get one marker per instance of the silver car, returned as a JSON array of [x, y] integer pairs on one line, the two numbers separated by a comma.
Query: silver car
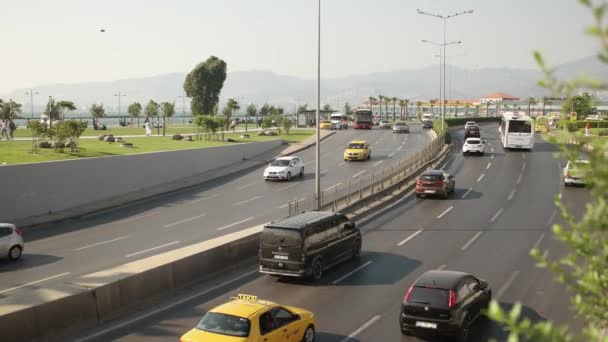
[[11, 242]]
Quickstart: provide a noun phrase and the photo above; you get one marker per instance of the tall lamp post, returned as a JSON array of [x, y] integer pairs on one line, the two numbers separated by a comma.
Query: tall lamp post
[[31, 93], [445, 19], [317, 116], [119, 95], [442, 100], [183, 97]]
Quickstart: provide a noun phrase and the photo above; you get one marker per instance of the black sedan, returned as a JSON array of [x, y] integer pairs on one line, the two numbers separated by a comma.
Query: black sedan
[[444, 303]]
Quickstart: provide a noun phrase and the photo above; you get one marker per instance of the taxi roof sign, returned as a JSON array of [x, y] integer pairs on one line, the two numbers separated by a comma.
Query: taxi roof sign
[[247, 297]]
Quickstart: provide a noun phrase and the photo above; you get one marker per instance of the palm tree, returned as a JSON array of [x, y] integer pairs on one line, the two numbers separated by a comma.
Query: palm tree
[[477, 107], [394, 106], [531, 102], [419, 109], [546, 101], [497, 108], [406, 102], [466, 110], [488, 109], [386, 101], [432, 102], [371, 102], [380, 98], [457, 104]]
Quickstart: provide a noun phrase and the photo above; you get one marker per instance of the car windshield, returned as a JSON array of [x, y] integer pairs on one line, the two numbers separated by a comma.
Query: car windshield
[[431, 177], [400, 124], [325, 122], [520, 126], [281, 237], [430, 296], [280, 162], [356, 146], [473, 141], [224, 324]]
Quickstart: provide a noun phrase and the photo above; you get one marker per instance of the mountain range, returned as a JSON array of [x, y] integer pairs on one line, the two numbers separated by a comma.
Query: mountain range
[[268, 87]]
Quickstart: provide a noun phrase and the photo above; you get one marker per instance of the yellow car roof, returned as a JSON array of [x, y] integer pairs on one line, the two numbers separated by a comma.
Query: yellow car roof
[[358, 142], [243, 307]]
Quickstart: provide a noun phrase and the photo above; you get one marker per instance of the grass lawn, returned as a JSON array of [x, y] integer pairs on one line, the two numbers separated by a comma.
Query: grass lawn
[[17, 152], [23, 132]]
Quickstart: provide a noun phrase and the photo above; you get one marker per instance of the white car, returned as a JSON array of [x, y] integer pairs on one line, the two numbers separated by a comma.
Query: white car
[[473, 145], [11, 242], [470, 123], [575, 172], [284, 168]]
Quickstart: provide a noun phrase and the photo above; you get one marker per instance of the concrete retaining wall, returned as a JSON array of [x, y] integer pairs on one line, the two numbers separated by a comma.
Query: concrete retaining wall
[[35, 193], [107, 294]]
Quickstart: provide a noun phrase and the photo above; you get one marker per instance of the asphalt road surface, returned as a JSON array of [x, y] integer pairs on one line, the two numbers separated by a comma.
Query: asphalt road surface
[[57, 254], [503, 206]]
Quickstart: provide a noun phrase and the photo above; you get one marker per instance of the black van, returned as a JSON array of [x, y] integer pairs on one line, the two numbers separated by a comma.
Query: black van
[[308, 244]]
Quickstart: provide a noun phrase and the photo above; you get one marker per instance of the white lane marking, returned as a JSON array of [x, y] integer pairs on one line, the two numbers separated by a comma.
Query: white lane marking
[[540, 239], [489, 165], [351, 273], [137, 217], [492, 149], [552, 217], [489, 144], [441, 267], [249, 200], [470, 242], [524, 156], [505, 286], [400, 148], [511, 195], [165, 308], [445, 212], [169, 225], [324, 171], [391, 154], [287, 187], [284, 206], [492, 156], [101, 243], [359, 173], [333, 186], [236, 223], [247, 185], [497, 214], [342, 163], [378, 163], [523, 166], [466, 193], [361, 329], [481, 177], [310, 162], [203, 198], [377, 142], [324, 155], [413, 235], [519, 178], [35, 282], [151, 249]]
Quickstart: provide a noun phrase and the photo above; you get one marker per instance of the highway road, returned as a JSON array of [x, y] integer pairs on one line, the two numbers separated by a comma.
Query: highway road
[[503, 206], [59, 253]]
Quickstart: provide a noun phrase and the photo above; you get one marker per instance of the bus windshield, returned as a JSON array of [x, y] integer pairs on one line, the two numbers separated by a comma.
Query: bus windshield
[[363, 116], [520, 126]]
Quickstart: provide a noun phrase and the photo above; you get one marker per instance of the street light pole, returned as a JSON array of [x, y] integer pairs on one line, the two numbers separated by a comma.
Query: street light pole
[[317, 116], [31, 93], [119, 95]]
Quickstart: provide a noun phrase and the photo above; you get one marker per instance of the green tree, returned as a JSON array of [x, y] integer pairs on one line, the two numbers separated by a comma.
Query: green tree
[[168, 109], [134, 111], [303, 108], [380, 98], [546, 101], [432, 102], [231, 106], [347, 108], [582, 105], [326, 107], [204, 85], [251, 111], [9, 110], [286, 124], [583, 267], [65, 106], [97, 111], [531, 102], [151, 109], [386, 102], [265, 110], [53, 111], [371, 102], [70, 130], [419, 109], [266, 122]]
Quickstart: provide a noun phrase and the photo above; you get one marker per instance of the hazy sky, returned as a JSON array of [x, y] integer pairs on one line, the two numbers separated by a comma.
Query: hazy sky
[[59, 41]]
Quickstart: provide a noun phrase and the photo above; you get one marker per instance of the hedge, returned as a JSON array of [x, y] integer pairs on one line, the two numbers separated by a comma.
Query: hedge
[[461, 121]]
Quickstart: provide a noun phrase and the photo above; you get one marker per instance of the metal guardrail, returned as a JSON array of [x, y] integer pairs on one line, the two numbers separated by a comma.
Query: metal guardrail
[[366, 185]]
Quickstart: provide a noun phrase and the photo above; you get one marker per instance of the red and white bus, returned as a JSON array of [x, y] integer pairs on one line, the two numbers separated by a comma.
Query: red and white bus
[[363, 119]]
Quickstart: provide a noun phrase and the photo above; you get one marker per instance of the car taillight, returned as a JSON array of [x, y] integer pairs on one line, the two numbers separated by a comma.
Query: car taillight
[[418, 182], [18, 231], [407, 295], [452, 300]]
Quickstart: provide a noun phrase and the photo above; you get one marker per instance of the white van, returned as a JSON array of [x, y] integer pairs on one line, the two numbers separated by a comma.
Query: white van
[[427, 116], [339, 121]]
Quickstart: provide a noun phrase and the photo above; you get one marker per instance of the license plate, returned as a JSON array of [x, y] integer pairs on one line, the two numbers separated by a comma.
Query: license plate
[[281, 257], [427, 325], [429, 191]]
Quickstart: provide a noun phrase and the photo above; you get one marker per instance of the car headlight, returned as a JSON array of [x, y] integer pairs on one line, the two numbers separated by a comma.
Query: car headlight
[[282, 172]]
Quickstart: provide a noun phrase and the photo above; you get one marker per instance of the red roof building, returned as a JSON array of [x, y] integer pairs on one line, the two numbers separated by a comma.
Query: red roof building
[[497, 97]]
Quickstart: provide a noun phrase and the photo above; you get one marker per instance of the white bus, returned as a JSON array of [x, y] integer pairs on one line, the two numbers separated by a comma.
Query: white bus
[[516, 131], [339, 120]]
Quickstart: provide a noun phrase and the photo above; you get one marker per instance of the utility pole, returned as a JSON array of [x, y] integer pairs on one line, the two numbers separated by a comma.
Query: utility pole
[[119, 95], [317, 116], [31, 93]]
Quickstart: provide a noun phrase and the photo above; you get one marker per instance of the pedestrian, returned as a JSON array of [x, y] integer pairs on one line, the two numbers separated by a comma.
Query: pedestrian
[[148, 129], [11, 128], [3, 129], [587, 132]]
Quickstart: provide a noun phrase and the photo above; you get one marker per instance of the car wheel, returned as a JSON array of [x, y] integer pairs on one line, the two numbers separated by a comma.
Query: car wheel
[[317, 269], [446, 194], [357, 249], [288, 176], [405, 332], [15, 253], [453, 187], [302, 172], [418, 196], [309, 334]]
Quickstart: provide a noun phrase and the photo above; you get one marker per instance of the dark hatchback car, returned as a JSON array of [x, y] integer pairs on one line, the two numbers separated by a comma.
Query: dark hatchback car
[[427, 124], [435, 182], [307, 244], [472, 132], [444, 303]]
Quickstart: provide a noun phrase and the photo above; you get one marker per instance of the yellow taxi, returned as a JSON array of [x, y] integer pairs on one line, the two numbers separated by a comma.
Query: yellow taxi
[[357, 150], [245, 318], [325, 124]]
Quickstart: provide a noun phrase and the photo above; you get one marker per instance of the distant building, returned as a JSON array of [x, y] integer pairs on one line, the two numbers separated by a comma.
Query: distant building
[[497, 97]]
